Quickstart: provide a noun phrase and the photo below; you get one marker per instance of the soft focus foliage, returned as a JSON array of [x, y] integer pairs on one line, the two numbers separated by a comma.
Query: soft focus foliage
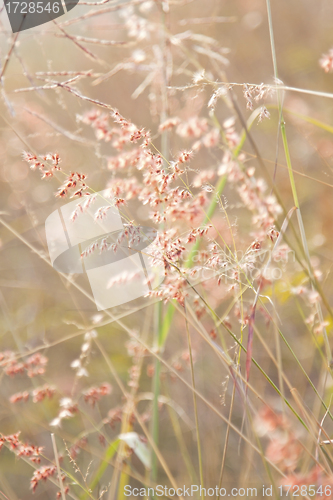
[[223, 374]]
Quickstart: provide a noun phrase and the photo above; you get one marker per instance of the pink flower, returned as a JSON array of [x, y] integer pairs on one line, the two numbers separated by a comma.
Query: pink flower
[[326, 61]]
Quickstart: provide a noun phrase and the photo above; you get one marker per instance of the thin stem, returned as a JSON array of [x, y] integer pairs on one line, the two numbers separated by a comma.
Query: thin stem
[[226, 438], [195, 405], [293, 185], [159, 306], [63, 496]]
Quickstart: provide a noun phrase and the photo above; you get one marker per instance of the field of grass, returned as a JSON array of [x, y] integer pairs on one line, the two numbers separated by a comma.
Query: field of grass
[[208, 127]]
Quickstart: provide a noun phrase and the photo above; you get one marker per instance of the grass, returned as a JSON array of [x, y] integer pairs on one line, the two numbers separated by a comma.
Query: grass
[[222, 382]]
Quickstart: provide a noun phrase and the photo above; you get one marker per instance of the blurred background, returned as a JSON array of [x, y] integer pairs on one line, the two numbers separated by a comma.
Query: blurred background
[[138, 57]]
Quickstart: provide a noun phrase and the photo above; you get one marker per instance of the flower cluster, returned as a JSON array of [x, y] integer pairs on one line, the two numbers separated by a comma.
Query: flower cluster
[[74, 182], [69, 409], [38, 394], [94, 394], [316, 476], [326, 61], [33, 366], [255, 93], [43, 474], [79, 365], [45, 164], [284, 448], [119, 136], [20, 449]]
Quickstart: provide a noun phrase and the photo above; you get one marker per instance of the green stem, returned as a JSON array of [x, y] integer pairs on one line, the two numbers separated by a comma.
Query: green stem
[[111, 450], [155, 413], [195, 406], [292, 183], [171, 310]]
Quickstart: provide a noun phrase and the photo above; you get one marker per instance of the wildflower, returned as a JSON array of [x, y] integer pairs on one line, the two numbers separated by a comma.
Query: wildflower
[[313, 297], [198, 76], [135, 349], [211, 139], [319, 329], [74, 180], [41, 474], [248, 91], [198, 232], [185, 156], [194, 127], [66, 490], [76, 364], [101, 213], [213, 333], [285, 451], [36, 163], [268, 421], [326, 61], [20, 449], [90, 335], [82, 372], [120, 202], [54, 158], [40, 393], [19, 396], [93, 395], [219, 92], [264, 113], [34, 365], [150, 370], [169, 124], [127, 188], [273, 233], [231, 134], [69, 409], [33, 161], [134, 375], [124, 277], [115, 415], [90, 249]]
